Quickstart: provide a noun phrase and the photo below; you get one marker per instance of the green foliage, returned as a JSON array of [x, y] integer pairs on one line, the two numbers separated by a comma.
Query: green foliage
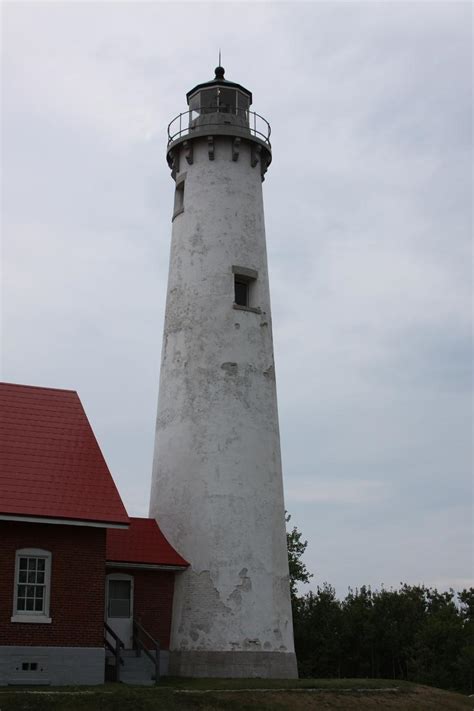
[[414, 633], [318, 626], [298, 570]]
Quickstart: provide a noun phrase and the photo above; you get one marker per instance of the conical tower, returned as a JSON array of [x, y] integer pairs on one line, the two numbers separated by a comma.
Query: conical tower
[[217, 482]]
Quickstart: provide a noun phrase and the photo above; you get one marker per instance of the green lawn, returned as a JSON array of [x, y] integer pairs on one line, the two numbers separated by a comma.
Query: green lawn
[[236, 695]]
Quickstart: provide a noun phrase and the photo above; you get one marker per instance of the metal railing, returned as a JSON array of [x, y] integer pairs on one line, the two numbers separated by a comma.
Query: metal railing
[[114, 648], [219, 116], [139, 646]]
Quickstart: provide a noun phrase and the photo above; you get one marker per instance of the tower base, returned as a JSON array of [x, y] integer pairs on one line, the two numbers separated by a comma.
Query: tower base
[[265, 665]]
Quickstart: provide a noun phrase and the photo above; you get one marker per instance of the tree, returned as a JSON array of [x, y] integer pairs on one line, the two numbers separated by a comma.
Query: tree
[[298, 570], [465, 662], [317, 626]]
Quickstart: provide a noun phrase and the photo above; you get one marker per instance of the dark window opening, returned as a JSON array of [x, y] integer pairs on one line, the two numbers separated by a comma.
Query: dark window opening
[[29, 666], [241, 292], [179, 198], [245, 293]]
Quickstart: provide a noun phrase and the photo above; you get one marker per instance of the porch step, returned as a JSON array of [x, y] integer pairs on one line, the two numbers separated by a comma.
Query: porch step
[[137, 670]]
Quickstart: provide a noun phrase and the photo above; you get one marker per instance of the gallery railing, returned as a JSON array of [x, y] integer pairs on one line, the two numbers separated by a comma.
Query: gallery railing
[[211, 117]]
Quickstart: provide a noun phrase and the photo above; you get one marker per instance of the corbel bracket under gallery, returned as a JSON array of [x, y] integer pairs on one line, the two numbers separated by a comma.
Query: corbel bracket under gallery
[[235, 148], [210, 147], [188, 152], [255, 154]]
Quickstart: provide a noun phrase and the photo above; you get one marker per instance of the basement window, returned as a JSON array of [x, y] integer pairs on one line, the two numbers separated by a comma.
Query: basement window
[[244, 288], [32, 586], [29, 666]]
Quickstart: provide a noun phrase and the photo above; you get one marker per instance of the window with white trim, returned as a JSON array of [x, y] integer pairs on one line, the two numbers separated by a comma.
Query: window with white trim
[[32, 585]]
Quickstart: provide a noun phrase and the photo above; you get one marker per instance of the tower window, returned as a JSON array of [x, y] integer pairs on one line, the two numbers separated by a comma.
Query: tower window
[[244, 288], [179, 197], [241, 292]]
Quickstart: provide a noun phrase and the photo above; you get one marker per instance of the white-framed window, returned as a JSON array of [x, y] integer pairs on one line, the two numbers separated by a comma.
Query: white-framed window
[[32, 586]]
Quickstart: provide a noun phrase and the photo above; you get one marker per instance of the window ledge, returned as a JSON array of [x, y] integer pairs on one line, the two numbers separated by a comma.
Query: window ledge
[[251, 274], [253, 309], [32, 619]]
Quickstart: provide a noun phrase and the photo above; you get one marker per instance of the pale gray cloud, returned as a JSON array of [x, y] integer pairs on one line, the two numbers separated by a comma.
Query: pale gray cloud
[[369, 222]]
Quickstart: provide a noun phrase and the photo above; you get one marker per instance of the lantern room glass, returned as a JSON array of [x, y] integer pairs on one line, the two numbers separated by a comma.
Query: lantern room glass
[[219, 100]]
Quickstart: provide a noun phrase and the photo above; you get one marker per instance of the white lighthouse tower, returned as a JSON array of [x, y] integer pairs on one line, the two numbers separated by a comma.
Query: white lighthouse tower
[[217, 482]]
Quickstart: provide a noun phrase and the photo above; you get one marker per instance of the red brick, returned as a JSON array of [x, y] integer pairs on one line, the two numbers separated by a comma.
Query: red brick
[[77, 584], [153, 601]]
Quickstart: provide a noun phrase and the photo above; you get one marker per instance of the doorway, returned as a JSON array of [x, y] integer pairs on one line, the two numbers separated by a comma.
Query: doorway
[[119, 606]]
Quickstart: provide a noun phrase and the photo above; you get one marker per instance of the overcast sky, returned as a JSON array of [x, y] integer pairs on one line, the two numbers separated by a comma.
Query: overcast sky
[[368, 216]]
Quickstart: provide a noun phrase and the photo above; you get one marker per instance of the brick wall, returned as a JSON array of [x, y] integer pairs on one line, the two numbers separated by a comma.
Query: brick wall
[[77, 584], [153, 601]]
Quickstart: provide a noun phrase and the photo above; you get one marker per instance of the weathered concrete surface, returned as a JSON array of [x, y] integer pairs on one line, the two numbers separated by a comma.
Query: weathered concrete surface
[[267, 665], [54, 665], [217, 483]]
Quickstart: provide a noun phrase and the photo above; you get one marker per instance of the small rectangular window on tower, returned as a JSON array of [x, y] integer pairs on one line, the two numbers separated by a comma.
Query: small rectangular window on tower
[[179, 198], [241, 292], [245, 288]]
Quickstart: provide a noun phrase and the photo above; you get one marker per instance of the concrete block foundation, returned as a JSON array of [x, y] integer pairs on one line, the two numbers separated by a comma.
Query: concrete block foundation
[[56, 666], [267, 665]]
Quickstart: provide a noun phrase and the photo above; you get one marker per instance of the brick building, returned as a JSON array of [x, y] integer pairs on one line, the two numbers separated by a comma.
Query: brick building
[[76, 572]]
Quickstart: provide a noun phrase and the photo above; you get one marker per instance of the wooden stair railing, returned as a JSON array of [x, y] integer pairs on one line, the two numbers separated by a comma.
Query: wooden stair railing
[[139, 646], [114, 648]]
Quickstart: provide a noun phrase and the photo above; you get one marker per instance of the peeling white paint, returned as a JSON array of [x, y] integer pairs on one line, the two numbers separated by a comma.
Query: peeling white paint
[[217, 483]]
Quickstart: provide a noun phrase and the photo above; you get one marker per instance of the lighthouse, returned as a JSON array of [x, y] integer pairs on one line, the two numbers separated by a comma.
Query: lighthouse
[[217, 487]]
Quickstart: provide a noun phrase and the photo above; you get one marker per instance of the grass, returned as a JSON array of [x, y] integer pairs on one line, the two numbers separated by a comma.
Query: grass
[[237, 695], [288, 684]]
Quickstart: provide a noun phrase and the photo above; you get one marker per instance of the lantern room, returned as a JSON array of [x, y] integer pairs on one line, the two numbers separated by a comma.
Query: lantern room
[[220, 96], [218, 108]]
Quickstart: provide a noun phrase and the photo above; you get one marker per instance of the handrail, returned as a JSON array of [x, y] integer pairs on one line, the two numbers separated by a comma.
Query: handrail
[[249, 118], [113, 634], [143, 630], [115, 649], [139, 646]]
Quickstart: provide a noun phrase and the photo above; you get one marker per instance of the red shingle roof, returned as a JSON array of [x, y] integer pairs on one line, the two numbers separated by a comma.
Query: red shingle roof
[[50, 463], [143, 542]]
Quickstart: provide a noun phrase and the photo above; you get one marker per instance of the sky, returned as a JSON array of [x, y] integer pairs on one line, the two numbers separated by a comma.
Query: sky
[[368, 210]]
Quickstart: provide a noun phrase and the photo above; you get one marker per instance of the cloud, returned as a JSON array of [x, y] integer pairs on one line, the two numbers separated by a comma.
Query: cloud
[[369, 224], [342, 491]]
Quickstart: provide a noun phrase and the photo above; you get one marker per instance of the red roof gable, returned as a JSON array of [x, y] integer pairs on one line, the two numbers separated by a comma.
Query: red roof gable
[[50, 463], [143, 542]]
